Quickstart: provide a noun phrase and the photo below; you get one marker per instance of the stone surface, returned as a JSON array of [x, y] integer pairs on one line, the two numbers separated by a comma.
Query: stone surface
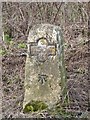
[[42, 72]]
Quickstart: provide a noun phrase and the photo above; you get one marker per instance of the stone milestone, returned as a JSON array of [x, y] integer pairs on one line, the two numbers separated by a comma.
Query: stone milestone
[[42, 69]]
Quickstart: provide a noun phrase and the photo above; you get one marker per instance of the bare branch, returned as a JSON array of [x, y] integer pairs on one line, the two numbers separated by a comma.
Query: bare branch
[[58, 9]]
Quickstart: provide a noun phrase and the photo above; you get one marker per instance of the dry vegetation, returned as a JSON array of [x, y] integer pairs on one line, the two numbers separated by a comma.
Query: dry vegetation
[[17, 19]]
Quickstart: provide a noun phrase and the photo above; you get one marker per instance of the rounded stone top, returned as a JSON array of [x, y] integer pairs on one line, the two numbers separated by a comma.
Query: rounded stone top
[[46, 31]]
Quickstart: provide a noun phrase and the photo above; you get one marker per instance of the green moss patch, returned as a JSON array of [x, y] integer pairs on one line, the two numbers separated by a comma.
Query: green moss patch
[[34, 106]]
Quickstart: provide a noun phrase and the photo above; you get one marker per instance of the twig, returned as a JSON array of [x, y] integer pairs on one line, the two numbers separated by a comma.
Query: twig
[[57, 11]]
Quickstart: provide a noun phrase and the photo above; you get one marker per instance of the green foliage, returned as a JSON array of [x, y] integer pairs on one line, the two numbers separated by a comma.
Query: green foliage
[[34, 106], [7, 38], [21, 45], [2, 52], [60, 112]]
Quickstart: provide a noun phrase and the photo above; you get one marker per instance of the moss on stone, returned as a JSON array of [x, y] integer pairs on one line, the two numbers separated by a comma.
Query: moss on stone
[[34, 106]]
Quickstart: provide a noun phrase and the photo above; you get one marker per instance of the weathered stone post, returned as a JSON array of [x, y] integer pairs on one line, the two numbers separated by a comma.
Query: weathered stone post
[[44, 70]]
